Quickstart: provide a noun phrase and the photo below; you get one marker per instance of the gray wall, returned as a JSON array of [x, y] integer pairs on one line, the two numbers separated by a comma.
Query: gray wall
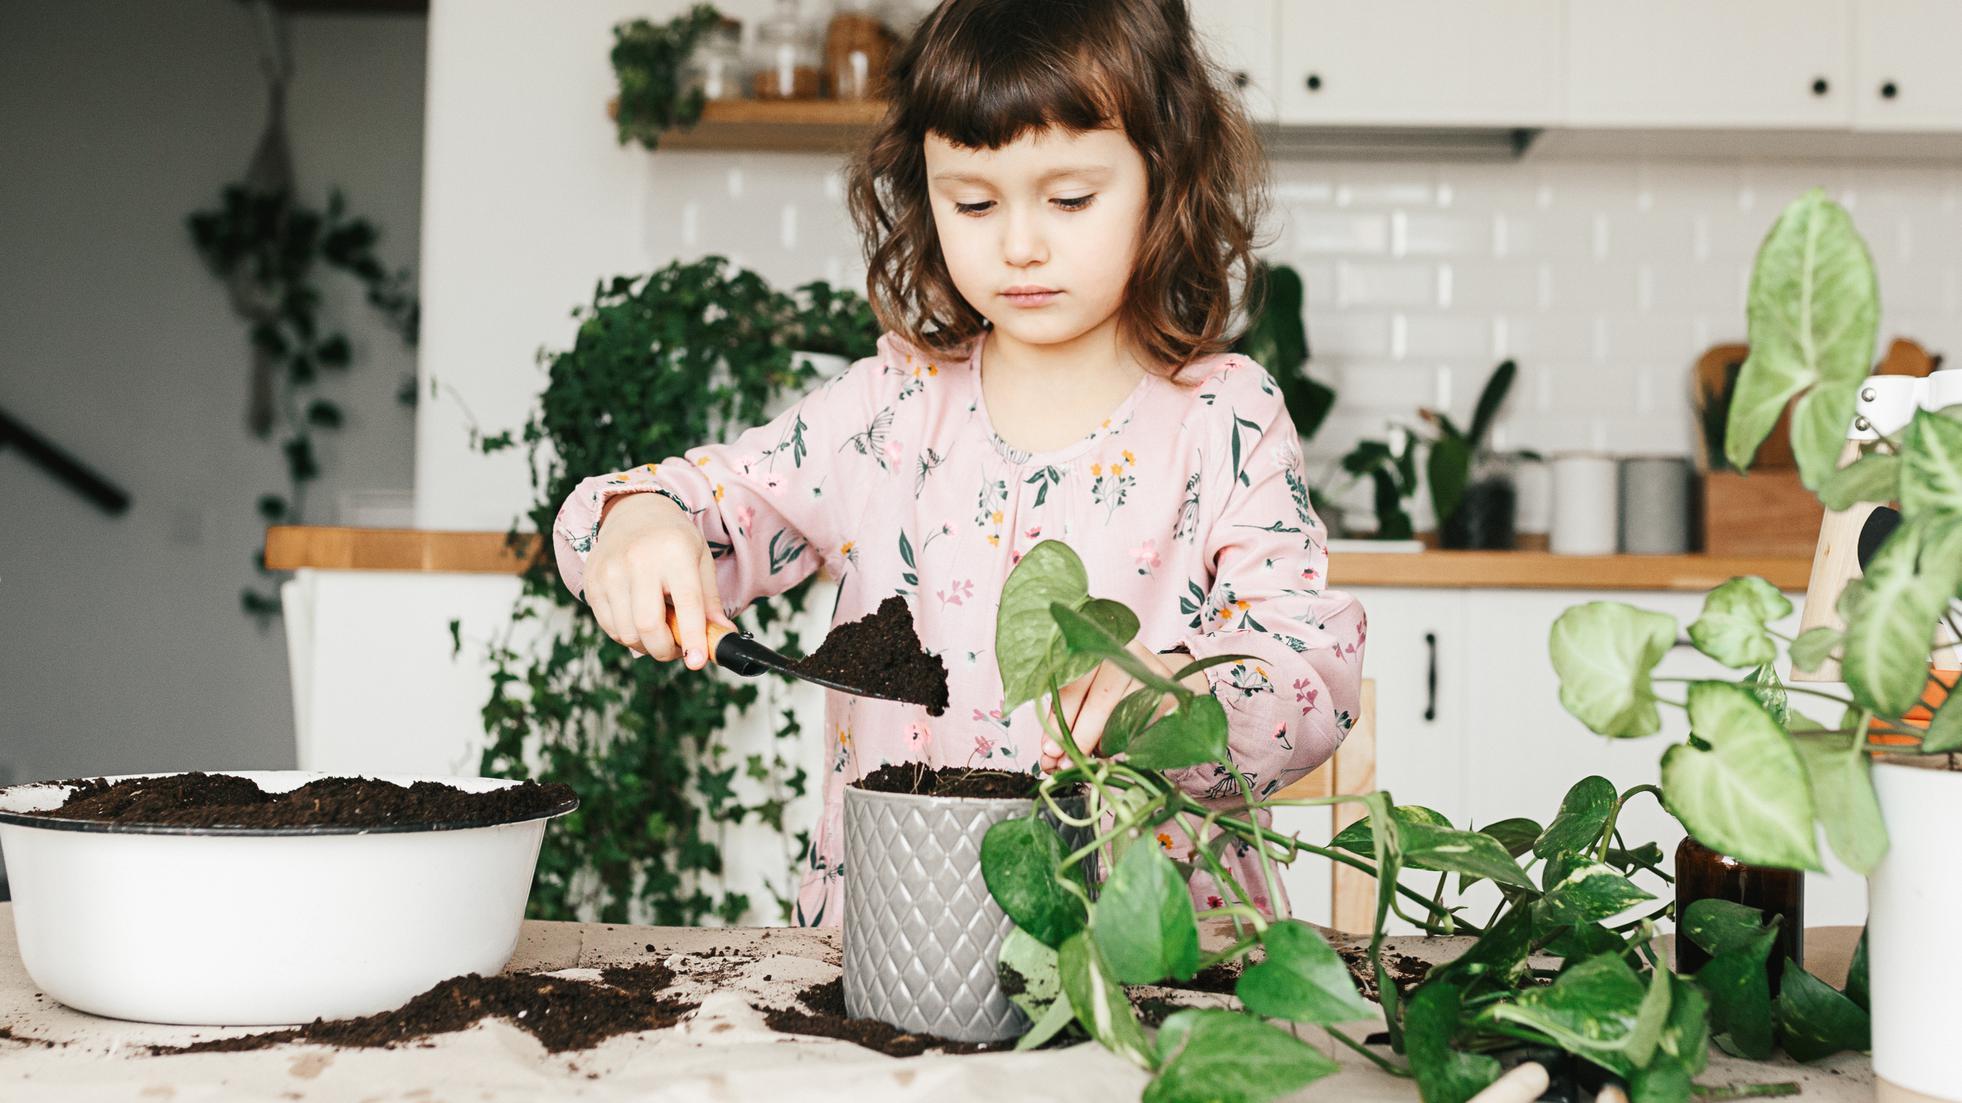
[[122, 643]]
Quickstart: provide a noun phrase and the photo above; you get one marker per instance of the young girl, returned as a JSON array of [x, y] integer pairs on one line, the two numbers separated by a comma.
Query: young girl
[[1058, 214]]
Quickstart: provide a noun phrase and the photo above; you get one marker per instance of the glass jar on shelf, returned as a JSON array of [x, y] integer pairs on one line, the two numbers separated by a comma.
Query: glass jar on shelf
[[857, 46], [716, 66], [786, 57]]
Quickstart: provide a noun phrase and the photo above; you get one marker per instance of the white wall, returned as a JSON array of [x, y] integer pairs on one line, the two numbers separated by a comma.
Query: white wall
[[122, 643]]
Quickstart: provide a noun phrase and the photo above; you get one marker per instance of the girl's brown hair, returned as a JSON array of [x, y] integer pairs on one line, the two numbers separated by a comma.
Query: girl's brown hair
[[980, 73]]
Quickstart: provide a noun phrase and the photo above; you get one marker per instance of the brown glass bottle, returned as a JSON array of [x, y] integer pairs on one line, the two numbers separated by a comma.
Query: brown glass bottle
[[1704, 874]]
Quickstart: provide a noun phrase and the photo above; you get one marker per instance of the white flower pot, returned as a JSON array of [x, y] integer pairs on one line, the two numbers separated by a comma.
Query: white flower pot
[[1913, 896]]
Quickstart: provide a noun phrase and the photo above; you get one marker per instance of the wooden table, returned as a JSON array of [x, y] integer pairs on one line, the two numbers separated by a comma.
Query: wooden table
[[723, 1052]]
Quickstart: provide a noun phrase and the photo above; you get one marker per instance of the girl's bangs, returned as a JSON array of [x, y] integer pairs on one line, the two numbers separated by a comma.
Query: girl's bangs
[[984, 91]]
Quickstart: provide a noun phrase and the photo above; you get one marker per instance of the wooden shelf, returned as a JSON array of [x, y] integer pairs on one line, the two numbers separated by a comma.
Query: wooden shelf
[[792, 126], [291, 547]]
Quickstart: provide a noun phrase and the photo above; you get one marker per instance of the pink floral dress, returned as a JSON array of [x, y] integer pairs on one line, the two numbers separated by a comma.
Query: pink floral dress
[[1188, 505]]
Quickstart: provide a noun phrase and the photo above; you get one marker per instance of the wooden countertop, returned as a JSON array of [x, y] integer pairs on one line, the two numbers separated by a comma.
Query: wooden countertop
[[290, 547]]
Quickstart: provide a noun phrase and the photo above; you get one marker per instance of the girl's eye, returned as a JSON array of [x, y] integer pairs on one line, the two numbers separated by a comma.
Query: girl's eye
[[1071, 203]]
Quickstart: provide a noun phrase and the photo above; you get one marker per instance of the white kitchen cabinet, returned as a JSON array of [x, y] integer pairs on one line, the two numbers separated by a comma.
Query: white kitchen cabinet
[[1240, 36], [1782, 64], [1498, 743], [1420, 62], [1904, 76]]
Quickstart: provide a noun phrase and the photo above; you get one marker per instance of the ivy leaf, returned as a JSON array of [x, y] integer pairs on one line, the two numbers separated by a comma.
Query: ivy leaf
[[1813, 647], [1740, 994], [1589, 894], [1128, 719], [1028, 972], [1207, 1055], [1143, 923], [1444, 1074], [1721, 926], [1018, 860], [1500, 952], [1598, 1009], [1874, 477], [1815, 1020], [1840, 777], [1604, 653], [1302, 979], [1517, 834], [1583, 814], [1856, 975], [323, 414], [1732, 627], [1814, 311], [1191, 735], [1448, 850], [1931, 466], [1028, 643], [1745, 796], [1099, 1000], [1891, 614]]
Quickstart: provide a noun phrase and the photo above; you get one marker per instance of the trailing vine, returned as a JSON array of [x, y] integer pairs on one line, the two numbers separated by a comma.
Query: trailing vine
[[270, 250], [661, 363], [649, 62]]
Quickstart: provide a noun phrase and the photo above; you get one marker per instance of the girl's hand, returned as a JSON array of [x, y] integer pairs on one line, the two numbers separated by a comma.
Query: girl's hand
[[1088, 702], [648, 555]]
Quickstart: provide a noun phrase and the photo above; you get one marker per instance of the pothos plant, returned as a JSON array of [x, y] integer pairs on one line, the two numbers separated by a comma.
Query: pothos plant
[[271, 250], [1566, 961], [1757, 779], [660, 363]]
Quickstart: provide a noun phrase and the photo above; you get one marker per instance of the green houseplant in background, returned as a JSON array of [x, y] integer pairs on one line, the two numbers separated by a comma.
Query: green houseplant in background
[[1758, 778], [1566, 962], [661, 363], [650, 62]]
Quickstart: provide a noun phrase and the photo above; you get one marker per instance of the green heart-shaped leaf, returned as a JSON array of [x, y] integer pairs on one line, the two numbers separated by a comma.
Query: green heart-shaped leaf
[[1931, 467], [1816, 1021], [1444, 1073], [1226, 1057], [1028, 645], [1814, 310], [1746, 796], [1732, 627], [1604, 652], [1583, 813], [1143, 922], [1018, 862], [1301, 979], [1842, 790]]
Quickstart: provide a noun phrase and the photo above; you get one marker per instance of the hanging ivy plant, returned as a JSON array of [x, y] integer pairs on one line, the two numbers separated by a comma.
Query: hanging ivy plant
[[661, 363], [271, 252], [649, 61]]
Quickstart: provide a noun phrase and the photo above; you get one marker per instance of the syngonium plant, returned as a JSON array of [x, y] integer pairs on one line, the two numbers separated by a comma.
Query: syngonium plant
[[1565, 962], [1757, 778]]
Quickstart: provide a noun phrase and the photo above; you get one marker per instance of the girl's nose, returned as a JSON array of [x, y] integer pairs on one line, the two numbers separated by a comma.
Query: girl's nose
[[1023, 243]]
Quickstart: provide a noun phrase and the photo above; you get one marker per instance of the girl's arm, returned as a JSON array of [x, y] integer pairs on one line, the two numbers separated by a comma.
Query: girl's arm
[[768, 503], [1288, 708]]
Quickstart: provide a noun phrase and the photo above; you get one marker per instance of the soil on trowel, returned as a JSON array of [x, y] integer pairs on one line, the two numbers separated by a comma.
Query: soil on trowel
[[881, 653], [224, 800], [919, 779], [824, 1016], [561, 1012]]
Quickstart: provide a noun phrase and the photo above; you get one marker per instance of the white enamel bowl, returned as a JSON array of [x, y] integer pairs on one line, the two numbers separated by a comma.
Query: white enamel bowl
[[254, 926]]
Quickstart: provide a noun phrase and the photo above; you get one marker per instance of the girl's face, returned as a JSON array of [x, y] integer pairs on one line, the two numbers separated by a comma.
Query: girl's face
[[1040, 235]]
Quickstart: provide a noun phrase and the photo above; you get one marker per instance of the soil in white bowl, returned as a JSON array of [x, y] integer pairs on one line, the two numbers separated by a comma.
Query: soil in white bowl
[[224, 800]]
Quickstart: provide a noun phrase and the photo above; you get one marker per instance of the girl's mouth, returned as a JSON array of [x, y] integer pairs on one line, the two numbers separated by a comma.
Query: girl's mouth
[[1031, 297]]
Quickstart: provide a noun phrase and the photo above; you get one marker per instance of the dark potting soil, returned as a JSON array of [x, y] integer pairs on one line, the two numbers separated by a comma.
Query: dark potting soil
[[881, 652], [825, 1018], [224, 800], [1406, 972], [918, 779], [562, 1013]]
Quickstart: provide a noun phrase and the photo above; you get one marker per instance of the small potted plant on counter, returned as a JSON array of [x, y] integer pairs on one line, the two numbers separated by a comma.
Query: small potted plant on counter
[[1758, 779]]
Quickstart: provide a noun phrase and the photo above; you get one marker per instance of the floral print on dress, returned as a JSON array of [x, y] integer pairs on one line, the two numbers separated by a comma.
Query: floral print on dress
[[1188, 503]]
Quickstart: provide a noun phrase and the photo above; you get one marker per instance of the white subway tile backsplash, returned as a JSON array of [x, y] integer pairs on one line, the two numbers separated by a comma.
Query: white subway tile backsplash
[[1386, 284], [1341, 232], [1604, 279], [1440, 336], [1421, 233]]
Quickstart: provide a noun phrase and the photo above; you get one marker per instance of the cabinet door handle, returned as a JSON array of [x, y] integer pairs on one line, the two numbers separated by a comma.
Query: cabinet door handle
[[1820, 86], [1889, 90], [1430, 678], [1314, 82]]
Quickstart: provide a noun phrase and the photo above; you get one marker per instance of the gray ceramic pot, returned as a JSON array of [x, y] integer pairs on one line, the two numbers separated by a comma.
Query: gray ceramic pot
[[921, 932]]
